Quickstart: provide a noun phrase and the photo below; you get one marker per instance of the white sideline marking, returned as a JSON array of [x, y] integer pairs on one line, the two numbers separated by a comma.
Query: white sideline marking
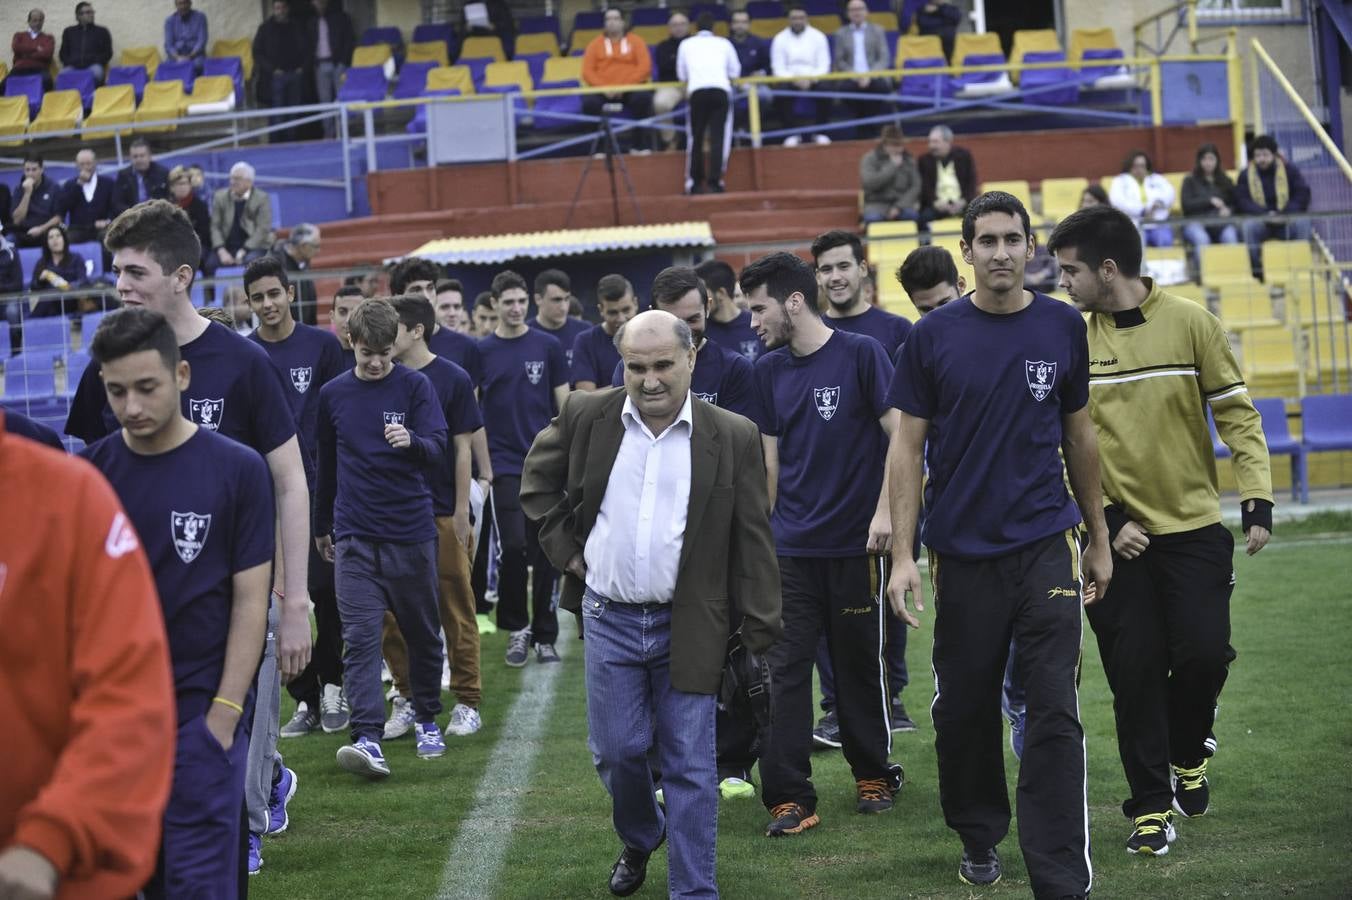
[[478, 853], [1312, 541]]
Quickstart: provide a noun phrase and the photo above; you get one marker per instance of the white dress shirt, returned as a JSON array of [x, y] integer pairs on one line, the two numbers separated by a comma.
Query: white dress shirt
[[859, 37], [800, 54], [634, 549], [707, 61], [89, 187]]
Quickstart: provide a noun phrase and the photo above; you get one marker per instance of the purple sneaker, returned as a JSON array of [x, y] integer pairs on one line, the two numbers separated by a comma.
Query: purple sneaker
[[283, 789]]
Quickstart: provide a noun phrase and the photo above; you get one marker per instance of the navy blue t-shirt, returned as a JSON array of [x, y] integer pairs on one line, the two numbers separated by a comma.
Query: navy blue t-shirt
[[517, 394], [366, 488], [884, 327], [18, 423], [737, 335], [824, 410], [235, 390], [349, 357], [204, 512], [594, 356], [721, 377], [455, 395], [307, 359], [564, 335], [994, 389], [458, 348]]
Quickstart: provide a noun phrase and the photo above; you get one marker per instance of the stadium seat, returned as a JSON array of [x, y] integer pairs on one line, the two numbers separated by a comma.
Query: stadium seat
[[173, 70], [969, 43], [483, 46], [363, 84], [13, 118], [1272, 411], [445, 79], [29, 375], [1326, 422], [4, 70], [652, 35], [115, 105], [719, 11], [4, 341], [1044, 79], [477, 67], [92, 251], [1082, 39], [928, 86], [919, 47], [163, 100], [49, 334], [562, 68], [649, 15], [61, 111], [563, 103], [765, 9], [434, 52], [231, 66], [974, 84], [952, 243], [147, 58], [1283, 261], [89, 323], [1061, 196], [1244, 306], [579, 39], [1175, 180], [435, 31], [377, 34], [412, 78], [1270, 350], [769, 27], [81, 80], [1106, 68], [1224, 264], [27, 86], [887, 20], [74, 364], [375, 56], [1018, 187], [539, 42], [1188, 290], [130, 75], [538, 25], [824, 15], [535, 63], [28, 261], [241, 49], [212, 94], [507, 77], [1032, 41]]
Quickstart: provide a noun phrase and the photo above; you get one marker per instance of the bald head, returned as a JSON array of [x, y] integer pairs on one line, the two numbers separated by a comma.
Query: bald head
[[654, 327], [658, 353]]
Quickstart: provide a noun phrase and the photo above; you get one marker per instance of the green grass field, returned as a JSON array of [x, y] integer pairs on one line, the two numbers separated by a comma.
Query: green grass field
[[1280, 825]]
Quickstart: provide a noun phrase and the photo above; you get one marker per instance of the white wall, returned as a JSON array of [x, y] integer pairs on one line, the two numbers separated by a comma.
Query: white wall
[[140, 23]]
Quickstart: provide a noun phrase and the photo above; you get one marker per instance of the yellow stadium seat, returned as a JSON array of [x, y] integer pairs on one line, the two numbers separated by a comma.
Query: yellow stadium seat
[[1244, 306], [502, 74], [1176, 179], [1309, 302], [61, 111], [827, 23], [768, 28], [952, 243], [14, 117], [887, 21], [1285, 261], [652, 35], [889, 243], [581, 37], [1018, 187], [1082, 39], [1189, 291], [918, 46], [1032, 41], [161, 100], [540, 42], [483, 46], [1061, 196], [141, 56], [969, 43], [1225, 264], [428, 51], [241, 47], [372, 55], [212, 93], [4, 70], [1274, 350], [114, 105], [450, 78], [563, 68]]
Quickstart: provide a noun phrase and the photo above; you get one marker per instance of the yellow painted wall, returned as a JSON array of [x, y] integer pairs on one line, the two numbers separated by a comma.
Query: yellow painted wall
[[140, 23]]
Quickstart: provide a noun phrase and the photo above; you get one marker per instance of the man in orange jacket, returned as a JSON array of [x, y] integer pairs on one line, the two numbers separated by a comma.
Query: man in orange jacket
[[615, 58], [84, 676]]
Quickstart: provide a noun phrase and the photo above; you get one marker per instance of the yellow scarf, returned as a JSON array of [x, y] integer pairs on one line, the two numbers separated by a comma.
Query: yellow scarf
[[1279, 183]]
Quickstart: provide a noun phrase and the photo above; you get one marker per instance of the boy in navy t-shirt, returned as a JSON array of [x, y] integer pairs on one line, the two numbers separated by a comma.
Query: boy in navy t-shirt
[[841, 273], [729, 320], [449, 481], [525, 382], [594, 353], [380, 427], [202, 506], [348, 298], [553, 297], [999, 383], [419, 277], [825, 433]]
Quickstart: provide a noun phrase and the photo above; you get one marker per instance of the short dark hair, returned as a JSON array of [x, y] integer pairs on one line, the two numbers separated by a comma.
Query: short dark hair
[[782, 274], [139, 141], [159, 228], [556, 277], [485, 298], [414, 310], [1131, 158], [612, 287], [674, 282], [411, 269], [994, 202], [506, 280], [927, 267], [837, 238], [34, 157], [1265, 142], [264, 267], [348, 290], [718, 276], [1097, 233], [705, 21], [133, 329], [449, 284], [374, 323]]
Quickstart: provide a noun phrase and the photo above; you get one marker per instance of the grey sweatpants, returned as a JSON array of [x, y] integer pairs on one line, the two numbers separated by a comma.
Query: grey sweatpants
[[264, 762]]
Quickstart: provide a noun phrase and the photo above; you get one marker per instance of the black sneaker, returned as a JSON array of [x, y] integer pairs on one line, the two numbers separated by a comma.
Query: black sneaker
[[979, 867], [790, 818], [1192, 793], [875, 795], [1153, 834], [545, 653], [1209, 745], [826, 736], [900, 721], [518, 647]]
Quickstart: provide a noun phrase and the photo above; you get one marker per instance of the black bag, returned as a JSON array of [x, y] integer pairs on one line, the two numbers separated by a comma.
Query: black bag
[[746, 683]]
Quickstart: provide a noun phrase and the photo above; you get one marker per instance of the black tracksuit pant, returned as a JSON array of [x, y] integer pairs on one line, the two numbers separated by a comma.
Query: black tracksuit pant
[[710, 116], [1164, 635], [519, 548], [326, 660], [1032, 595]]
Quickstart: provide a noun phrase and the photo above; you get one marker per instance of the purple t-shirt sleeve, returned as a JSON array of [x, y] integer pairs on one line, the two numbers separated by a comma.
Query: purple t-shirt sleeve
[[584, 364], [913, 389], [426, 421], [254, 540], [474, 364], [740, 392], [1075, 387], [270, 415], [558, 365], [462, 413], [765, 392], [875, 373]]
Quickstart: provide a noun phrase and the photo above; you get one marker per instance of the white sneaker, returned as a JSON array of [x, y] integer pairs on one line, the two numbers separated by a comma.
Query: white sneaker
[[464, 720], [385, 674], [820, 139], [793, 140], [334, 714], [400, 721]]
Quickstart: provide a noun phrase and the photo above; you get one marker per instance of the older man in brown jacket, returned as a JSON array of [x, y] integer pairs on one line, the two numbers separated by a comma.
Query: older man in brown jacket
[[653, 503]]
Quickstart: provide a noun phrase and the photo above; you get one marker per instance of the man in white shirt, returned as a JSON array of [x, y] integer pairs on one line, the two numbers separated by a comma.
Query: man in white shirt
[[653, 504], [802, 52], [861, 48], [707, 64]]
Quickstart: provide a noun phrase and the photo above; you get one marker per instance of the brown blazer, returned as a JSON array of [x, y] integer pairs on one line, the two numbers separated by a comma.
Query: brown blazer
[[728, 554]]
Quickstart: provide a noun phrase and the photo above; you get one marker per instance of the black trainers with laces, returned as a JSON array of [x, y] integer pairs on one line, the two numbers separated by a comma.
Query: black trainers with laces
[[1192, 792], [901, 722], [875, 795], [790, 818], [545, 653], [979, 867], [518, 648], [826, 736], [1153, 834]]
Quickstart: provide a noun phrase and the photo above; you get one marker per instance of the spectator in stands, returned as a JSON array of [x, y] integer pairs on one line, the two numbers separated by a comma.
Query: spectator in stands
[[58, 269], [890, 180], [331, 43], [198, 179], [666, 99], [493, 17], [87, 199], [38, 206], [143, 180], [33, 50], [1208, 193], [752, 49], [484, 317], [182, 194], [861, 48], [1272, 188], [281, 55], [942, 18], [614, 58], [707, 64], [1146, 196], [1094, 195], [295, 253], [241, 220], [185, 34], [947, 177], [85, 45], [368, 284], [803, 53]]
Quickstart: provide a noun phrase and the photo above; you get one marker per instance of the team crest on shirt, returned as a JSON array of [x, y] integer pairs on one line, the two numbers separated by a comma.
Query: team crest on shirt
[[301, 376], [393, 418], [750, 349], [190, 533], [707, 398], [535, 370], [1041, 376], [827, 399], [207, 413]]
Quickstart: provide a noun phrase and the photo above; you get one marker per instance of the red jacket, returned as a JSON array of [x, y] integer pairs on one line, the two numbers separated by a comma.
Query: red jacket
[[85, 682], [32, 54]]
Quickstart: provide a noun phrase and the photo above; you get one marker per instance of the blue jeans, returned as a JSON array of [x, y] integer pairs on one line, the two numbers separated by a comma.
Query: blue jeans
[[628, 650], [1199, 235]]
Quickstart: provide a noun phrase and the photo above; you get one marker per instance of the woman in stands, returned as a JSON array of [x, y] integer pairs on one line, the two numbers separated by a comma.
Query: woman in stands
[[1094, 195], [59, 269], [1209, 193], [181, 192], [1146, 196]]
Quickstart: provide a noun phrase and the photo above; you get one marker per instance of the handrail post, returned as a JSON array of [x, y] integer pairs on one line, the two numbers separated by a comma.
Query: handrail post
[[753, 114], [368, 121], [1257, 109], [343, 135], [1192, 25], [1234, 68], [1156, 95]]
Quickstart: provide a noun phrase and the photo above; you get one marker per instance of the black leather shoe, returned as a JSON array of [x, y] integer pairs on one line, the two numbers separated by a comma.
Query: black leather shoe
[[627, 875]]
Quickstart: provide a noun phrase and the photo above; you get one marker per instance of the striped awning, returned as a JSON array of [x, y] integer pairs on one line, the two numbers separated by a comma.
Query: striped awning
[[500, 248]]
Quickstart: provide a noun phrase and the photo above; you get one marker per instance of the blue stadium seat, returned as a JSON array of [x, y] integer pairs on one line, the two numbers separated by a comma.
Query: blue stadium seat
[[377, 34], [81, 80], [535, 62], [92, 251], [28, 261], [720, 12], [1272, 410], [822, 7], [437, 31], [29, 376], [76, 363], [765, 9], [477, 66], [544, 106], [29, 86], [412, 80], [518, 104], [133, 75], [227, 65], [5, 346], [539, 25], [928, 86], [649, 15], [197, 294], [963, 79], [418, 124], [588, 19], [49, 334], [89, 323], [1034, 78], [1101, 54], [177, 70], [363, 83]]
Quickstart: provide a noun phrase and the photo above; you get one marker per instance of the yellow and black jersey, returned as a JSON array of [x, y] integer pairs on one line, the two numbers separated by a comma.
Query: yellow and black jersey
[[1153, 371]]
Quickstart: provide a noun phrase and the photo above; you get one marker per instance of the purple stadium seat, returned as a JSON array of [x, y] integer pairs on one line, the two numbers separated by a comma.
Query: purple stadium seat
[[5, 346], [418, 124], [412, 80], [928, 86], [535, 62], [477, 65], [720, 12], [381, 35], [177, 70], [76, 363], [649, 15], [227, 65], [28, 261], [765, 9], [92, 251], [439, 31], [544, 106], [1041, 78], [963, 79], [539, 25], [1272, 410], [589, 19], [81, 80], [30, 376], [89, 323], [133, 75], [1327, 422], [518, 103], [822, 7], [29, 86], [363, 84], [50, 335], [1101, 54]]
